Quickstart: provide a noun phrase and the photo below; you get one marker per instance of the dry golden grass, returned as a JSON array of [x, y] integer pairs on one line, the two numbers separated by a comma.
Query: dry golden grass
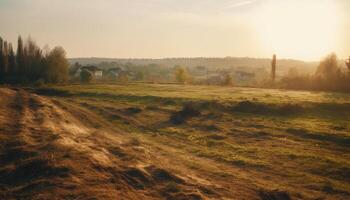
[[236, 143]]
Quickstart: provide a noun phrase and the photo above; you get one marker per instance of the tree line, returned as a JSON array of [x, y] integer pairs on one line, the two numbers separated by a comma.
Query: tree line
[[330, 75], [31, 64]]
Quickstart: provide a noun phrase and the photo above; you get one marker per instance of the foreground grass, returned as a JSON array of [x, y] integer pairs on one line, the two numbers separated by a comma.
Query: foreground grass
[[295, 141]]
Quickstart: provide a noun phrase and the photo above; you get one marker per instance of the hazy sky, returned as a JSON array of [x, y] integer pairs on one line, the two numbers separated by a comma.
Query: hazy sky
[[302, 29]]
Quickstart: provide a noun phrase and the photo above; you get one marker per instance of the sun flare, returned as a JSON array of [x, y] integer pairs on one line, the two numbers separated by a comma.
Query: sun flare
[[298, 28]]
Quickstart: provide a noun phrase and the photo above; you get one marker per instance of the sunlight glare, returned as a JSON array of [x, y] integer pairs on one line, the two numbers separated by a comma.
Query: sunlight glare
[[298, 29]]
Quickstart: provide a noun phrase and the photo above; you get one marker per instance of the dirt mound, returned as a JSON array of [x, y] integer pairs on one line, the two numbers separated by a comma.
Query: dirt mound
[[274, 195], [188, 111]]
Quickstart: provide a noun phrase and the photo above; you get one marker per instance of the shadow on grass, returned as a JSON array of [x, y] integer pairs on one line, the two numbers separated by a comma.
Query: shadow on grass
[[340, 140], [322, 110]]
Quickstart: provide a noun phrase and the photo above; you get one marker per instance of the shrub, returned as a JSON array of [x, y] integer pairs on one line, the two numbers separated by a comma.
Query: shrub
[[188, 111], [228, 80], [182, 75], [39, 83]]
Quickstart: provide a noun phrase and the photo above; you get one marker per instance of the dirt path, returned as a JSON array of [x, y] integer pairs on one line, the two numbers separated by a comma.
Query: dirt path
[[54, 150]]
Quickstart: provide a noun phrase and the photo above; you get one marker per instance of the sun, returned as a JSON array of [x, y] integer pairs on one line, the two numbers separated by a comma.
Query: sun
[[298, 29]]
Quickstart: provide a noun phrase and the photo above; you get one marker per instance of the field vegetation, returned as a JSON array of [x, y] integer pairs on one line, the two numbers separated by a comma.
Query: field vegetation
[[291, 144]]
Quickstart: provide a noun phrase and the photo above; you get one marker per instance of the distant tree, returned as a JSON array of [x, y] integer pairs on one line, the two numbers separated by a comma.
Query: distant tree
[[228, 80], [139, 76], [123, 77], [293, 72], [56, 66], [273, 67], [86, 76], [329, 75], [328, 68], [181, 75], [31, 64], [348, 63], [34, 61]]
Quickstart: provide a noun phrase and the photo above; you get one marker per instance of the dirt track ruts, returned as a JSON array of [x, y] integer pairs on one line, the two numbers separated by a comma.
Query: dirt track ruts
[[53, 150]]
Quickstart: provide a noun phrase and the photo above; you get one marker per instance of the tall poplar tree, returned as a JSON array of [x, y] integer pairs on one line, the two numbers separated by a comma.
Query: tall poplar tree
[[273, 67], [5, 57], [20, 56], [1, 60], [12, 61]]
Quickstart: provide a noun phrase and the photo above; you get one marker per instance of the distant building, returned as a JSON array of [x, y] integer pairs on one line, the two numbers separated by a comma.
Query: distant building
[[114, 73], [216, 79], [97, 72], [244, 76], [119, 73]]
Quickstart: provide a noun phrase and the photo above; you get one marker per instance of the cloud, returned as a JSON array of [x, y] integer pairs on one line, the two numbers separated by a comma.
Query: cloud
[[239, 4]]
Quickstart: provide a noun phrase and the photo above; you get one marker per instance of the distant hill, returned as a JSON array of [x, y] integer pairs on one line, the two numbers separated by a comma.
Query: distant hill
[[228, 62]]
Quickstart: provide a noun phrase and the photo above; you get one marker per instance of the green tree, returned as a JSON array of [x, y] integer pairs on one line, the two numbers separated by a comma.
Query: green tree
[[31, 64], [86, 76], [56, 70], [34, 60]]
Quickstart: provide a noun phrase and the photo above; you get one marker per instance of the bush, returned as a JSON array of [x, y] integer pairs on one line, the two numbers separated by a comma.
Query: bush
[[182, 75], [39, 83], [228, 80], [189, 110]]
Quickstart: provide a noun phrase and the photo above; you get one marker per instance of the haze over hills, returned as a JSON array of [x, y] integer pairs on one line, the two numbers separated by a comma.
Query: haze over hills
[[226, 62]]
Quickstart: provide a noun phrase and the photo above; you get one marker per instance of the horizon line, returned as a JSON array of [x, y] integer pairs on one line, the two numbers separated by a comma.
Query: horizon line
[[194, 57]]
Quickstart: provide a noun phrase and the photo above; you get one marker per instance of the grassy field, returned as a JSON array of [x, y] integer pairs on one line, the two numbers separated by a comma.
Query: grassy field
[[297, 142]]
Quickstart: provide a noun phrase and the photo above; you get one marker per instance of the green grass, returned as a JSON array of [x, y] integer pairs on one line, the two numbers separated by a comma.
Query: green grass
[[306, 152]]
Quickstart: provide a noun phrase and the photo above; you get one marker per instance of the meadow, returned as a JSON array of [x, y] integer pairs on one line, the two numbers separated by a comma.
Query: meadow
[[264, 140]]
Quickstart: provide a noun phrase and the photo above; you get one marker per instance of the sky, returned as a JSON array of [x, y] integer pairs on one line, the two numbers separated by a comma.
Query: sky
[[298, 29]]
